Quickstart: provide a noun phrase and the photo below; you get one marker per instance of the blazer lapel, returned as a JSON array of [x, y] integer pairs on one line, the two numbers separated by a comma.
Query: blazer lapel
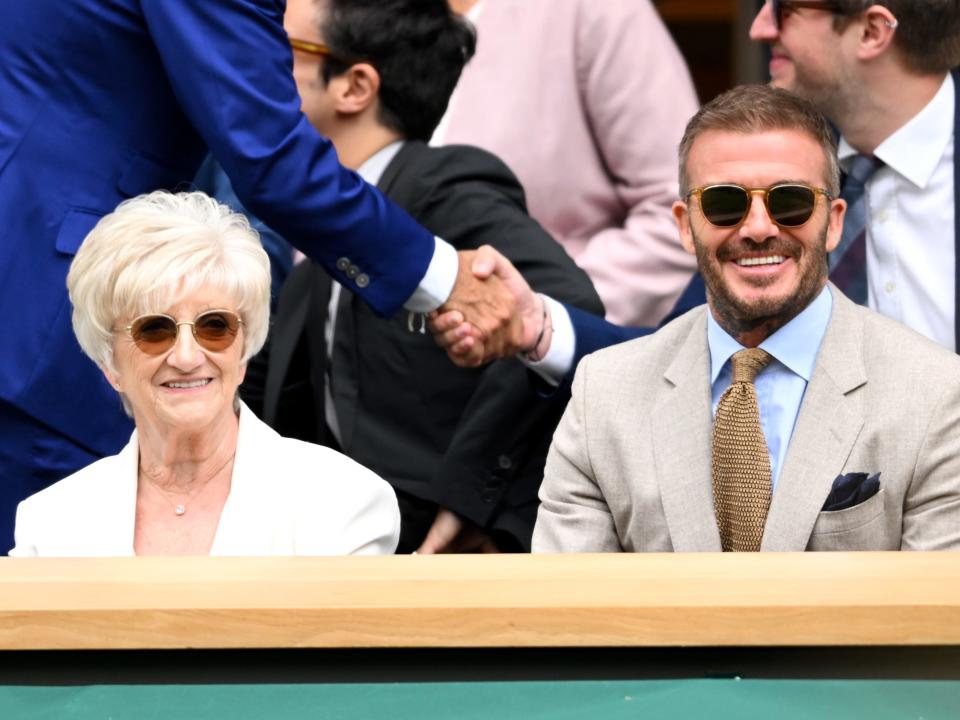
[[827, 427], [681, 447], [291, 319]]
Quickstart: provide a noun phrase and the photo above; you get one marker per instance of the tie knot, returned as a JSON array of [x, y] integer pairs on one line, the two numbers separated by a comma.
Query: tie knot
[[747, 363], [862, 168]]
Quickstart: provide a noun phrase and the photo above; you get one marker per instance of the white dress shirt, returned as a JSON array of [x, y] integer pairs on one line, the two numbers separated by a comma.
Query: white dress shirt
[[910, 221]]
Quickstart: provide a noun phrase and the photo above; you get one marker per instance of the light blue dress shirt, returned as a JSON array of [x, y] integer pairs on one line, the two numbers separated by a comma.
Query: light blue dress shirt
[[781, 384]]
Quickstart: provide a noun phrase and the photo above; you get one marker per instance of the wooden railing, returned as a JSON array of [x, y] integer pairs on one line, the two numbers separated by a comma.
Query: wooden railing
[[699, 600]]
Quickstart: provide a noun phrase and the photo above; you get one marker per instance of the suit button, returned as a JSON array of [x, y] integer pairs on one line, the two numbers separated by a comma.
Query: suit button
[[342, 264], [362, 280], [505, 462], [353, 271], [488, 496]]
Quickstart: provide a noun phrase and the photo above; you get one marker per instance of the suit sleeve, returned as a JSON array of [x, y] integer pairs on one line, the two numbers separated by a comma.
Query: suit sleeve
[[495, 458], [638, 96], [574, 515], [230, 67], [931, 513], [594, 333]]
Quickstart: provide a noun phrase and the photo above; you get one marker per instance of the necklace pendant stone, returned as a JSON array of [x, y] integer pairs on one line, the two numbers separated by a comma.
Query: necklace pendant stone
[[179, 509]]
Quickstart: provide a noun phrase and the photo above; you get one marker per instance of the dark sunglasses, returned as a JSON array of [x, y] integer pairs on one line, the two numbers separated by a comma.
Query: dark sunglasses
[[781, 6], [214, 330], [788, 204]]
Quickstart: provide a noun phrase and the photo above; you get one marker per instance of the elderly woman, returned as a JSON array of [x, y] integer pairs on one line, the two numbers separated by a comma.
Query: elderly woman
[[171, 299]]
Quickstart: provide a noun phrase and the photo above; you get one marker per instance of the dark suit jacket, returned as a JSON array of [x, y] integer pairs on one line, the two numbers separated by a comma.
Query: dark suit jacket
[[473, 441], [101, 101]]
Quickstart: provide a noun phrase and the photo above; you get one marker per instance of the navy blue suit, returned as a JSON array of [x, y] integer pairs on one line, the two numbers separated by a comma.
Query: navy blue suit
[[594, 333], [103, 100]]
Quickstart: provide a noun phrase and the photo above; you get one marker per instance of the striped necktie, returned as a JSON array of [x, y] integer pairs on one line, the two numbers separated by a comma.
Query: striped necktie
[[848, 263]]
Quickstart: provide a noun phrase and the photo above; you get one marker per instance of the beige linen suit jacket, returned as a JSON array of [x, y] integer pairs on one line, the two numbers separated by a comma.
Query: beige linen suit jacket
[[629, 468], [586, 101]]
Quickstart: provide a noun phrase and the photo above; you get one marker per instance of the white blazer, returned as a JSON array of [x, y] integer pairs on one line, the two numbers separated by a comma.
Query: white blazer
[[287, 497]]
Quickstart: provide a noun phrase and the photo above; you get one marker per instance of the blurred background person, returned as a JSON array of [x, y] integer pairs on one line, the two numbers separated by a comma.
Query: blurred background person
[[463, 448], [586, 100], [171, 298], [881, 73]]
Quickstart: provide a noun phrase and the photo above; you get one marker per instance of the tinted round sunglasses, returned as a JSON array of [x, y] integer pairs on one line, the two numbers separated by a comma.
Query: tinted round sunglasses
[[214, 330], [788, 204]]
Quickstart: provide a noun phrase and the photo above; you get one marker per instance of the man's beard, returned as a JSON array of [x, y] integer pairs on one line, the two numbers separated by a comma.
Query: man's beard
[[738, 316], [831, 96]]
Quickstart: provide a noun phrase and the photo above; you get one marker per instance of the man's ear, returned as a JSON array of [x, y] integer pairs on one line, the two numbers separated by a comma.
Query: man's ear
[[838, 210], [878, 26], [681, 214], [357, 90]]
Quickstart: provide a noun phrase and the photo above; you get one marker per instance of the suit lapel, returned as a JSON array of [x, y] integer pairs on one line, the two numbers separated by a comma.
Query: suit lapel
[[345, 381], [681, 432], [830, 419], [290, 321]]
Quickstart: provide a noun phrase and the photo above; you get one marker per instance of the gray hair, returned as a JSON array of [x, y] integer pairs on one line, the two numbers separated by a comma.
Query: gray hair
[[156, 249]]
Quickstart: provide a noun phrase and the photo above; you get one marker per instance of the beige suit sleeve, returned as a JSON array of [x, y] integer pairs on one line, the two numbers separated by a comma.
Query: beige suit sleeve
[[573, 515], [637, 92], [931, 508]]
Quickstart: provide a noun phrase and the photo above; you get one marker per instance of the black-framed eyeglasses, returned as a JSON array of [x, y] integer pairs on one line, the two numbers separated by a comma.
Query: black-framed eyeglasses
[[788, 204], [214, 330], [782, 6]]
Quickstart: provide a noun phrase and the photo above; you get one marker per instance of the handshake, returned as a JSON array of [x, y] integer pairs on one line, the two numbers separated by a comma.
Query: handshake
[[492, 313]]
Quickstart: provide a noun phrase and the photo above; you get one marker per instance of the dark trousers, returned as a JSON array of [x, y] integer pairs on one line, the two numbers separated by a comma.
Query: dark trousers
[[32, 456]]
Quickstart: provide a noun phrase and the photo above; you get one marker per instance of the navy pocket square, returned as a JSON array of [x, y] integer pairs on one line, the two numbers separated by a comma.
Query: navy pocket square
[[850, 490]]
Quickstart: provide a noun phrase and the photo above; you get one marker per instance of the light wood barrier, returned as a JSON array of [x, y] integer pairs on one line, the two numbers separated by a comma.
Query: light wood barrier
[[696, 600]]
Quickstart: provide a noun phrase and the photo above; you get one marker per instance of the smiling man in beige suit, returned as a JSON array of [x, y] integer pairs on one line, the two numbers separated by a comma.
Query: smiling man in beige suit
[[838, 429]]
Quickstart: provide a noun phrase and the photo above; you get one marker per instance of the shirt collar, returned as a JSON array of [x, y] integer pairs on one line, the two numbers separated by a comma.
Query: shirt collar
[[795, 345], [373, 167], [914, 150]]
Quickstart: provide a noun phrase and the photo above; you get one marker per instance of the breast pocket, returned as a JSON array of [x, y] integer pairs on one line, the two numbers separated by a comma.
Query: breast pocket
[[76, 225], [861, 527]]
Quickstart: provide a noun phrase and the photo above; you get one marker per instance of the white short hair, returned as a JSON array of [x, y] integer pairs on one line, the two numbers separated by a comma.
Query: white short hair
[[157, 249]]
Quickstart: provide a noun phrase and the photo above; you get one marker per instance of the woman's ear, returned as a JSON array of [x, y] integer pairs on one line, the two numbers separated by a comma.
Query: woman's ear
[[112, 378]]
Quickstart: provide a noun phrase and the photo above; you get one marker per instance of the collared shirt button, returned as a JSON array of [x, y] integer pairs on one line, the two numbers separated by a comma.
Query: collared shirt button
[[362, 280], [504, 462], [353, 271], [890, 286], [342, 264]]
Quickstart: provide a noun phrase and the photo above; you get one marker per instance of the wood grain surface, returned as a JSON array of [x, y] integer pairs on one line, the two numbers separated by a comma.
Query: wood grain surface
[[653, 600]]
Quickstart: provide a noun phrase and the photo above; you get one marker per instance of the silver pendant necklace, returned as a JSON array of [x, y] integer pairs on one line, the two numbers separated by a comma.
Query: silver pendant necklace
[[180, 508]]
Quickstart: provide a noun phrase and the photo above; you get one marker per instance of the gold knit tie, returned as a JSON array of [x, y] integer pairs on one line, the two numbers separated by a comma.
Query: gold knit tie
[[741, 463]]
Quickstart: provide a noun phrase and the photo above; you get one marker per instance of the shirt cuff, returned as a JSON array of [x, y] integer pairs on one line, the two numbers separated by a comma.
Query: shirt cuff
[[437, 284], [559, 358]]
